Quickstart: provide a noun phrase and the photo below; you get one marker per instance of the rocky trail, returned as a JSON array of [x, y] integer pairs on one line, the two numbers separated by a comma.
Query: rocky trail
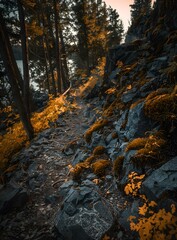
[[32, 195], [42, 168]]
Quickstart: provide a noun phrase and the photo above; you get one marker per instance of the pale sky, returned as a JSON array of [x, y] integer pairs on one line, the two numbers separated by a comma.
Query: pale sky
[[122, 7]]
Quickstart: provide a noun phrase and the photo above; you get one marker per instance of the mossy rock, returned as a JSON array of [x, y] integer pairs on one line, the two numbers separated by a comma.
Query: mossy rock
[[99, 150], [95, 127], [100, 166], [117, 165], [162, 108], [150, 151]]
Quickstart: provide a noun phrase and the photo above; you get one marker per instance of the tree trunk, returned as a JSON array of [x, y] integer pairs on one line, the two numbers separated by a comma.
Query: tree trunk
[[65, 74], [57, 43], [13, 75], [24, 43]]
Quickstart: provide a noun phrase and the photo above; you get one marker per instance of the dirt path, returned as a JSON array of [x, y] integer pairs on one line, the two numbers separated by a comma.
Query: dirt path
[[42, 179]]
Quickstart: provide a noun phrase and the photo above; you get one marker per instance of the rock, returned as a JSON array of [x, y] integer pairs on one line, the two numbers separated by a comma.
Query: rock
[[91, 176], [84, 214], [51, 199], [162, 181], [97, 140], [128, 167], [131, 210], [130, 95], [137, 122], [65, 187], [12, 197], [114, 74], [118, 125], [80, 156]]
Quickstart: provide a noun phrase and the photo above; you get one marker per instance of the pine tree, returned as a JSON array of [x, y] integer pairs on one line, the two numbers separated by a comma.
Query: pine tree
[[140, 13], [115, 28]]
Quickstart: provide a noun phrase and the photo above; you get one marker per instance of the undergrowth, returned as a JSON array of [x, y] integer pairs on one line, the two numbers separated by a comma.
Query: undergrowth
[[16, 138], [153, 222]]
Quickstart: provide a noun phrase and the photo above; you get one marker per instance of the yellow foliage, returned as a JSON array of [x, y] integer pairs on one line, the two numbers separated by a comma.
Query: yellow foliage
[[16, 138], [155, 225], [149, 150], [134, 183]]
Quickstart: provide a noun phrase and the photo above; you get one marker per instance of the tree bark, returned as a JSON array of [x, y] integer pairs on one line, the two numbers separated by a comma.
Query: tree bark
[[13, 75], [57, 44], [24, 43], [48, 52], [65, 74]]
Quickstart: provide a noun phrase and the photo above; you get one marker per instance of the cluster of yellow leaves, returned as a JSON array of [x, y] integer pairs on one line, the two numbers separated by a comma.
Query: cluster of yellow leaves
[[16, 137], [160, 225], [134, 183]]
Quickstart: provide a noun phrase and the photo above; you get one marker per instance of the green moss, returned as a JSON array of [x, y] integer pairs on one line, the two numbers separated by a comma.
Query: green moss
[[99, 167], [99, 150], [117, 165], [95, 127]]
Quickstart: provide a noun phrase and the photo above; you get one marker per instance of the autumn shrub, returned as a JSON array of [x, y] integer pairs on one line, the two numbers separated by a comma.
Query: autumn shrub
[[95, 127], [99, 167], [162, 108], [155, 224], [152, 223], [117, 165], [151, 150], [99, 150], [134, 184]]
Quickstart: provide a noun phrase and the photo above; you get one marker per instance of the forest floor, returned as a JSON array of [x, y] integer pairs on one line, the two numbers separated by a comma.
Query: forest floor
[[42, 179]]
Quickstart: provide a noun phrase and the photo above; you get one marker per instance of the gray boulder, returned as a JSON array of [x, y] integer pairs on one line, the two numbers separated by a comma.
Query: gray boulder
[[130, 95], [79, 156], [137, 123], [84, 214], [161, 181], [12, 197]]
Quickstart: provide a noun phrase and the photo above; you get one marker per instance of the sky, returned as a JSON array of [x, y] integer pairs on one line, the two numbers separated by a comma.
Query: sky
[[122, 7]]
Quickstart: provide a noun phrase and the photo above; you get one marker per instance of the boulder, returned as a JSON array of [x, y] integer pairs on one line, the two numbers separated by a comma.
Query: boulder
[[85, 214], [137, 123], [80, 156], [12, 197], [162, 181], [130, 95]]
